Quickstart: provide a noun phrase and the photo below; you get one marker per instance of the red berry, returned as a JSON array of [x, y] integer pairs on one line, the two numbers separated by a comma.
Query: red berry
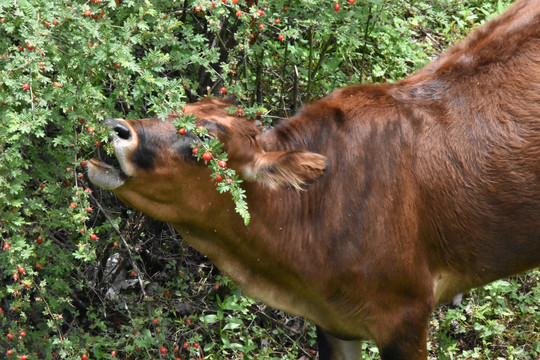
[[6, 246], [186, 345], [38, 266], [238, 13], [196, 345], [10, 336], [280, 37], [90, 130], [218, 178], [84, 357], [88, 209], [113, 353], [115, 244], [260, 12], [26, 86], [21, 270], [117, 65], [54, 22], [239, 111], [197, 8], [182, 131], [39, 240], [351, 1], [259, 113], [223, 90], [207, 156], [93, 237], [87, 13], [261, 26], [84, 162], [24, 357], [155, 321], [132, 273], [222, 163], [336, 7], [235, 1], [22, 334], [9, 352], [73, 205], [188, 321], [195, 151], [276, 21], [163, 350], [213, 4]]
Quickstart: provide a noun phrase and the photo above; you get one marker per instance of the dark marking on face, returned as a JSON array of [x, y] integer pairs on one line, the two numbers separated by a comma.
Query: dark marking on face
[[145, 154]]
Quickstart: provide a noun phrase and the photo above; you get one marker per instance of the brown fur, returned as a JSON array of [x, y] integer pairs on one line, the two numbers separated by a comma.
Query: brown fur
[[413, 192]]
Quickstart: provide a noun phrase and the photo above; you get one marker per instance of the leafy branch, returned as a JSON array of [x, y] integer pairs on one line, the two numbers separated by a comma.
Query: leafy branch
[[210, 150]]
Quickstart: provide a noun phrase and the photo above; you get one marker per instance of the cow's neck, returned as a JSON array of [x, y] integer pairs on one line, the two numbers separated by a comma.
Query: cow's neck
[[261, 257]]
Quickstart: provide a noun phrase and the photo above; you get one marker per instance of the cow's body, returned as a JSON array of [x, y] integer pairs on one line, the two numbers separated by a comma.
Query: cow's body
[[412, 192]]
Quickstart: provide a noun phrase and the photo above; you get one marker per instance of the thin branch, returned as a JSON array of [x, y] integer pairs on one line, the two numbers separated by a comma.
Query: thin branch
[[310, 60], [137, 24]]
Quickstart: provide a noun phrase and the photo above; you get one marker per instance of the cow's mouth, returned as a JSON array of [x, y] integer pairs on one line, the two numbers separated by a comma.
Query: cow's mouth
[[106, 171]]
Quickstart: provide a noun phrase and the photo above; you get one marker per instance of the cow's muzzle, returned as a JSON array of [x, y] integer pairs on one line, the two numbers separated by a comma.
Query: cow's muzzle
[[111, 172]]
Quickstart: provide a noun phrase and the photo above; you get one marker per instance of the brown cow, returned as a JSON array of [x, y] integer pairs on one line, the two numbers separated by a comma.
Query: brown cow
[[375, 203]]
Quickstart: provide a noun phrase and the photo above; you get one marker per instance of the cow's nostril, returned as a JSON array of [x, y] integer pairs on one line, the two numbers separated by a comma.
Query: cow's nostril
[[122, 131]]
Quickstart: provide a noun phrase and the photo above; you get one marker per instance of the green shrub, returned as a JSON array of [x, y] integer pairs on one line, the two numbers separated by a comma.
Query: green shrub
[[81, 273], [499, 321]]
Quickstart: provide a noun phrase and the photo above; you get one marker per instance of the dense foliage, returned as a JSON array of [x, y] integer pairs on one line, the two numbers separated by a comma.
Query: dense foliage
[[81, 275]]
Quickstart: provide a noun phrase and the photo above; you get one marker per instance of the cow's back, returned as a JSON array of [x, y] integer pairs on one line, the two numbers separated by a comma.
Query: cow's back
[[477, 111]]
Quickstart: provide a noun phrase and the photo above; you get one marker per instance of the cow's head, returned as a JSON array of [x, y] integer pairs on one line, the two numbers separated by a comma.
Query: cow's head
[[154, 166]]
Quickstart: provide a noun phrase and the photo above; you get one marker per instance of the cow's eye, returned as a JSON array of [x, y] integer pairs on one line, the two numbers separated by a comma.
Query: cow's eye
[[207, 138], [213, 128]]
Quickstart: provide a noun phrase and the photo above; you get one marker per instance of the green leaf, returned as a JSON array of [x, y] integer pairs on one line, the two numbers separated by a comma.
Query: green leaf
[[233, 323]]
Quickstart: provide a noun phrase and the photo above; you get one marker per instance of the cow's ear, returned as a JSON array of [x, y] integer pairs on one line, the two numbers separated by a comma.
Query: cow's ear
[[295, 168]]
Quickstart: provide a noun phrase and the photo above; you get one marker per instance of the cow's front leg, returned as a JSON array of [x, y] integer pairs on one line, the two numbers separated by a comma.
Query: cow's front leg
[[401, 334], [407, 343], [333, 348]]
